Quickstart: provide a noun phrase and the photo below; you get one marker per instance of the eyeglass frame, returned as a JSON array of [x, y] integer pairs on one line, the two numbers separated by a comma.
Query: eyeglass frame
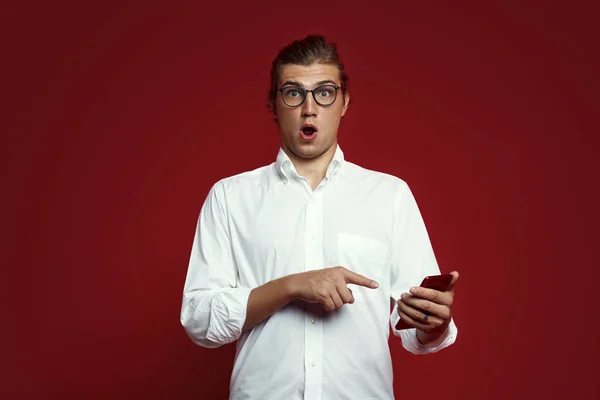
[[336, 87]]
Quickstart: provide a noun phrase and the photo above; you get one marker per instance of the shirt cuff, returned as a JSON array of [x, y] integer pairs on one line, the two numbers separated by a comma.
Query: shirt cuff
[[228, 315], [412, 344]]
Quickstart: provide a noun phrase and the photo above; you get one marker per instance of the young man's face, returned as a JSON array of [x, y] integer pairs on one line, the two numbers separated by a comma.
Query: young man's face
[[295, 123]]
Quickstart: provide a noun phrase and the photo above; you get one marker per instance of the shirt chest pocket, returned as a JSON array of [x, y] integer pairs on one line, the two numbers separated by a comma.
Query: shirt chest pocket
[[365, 256]]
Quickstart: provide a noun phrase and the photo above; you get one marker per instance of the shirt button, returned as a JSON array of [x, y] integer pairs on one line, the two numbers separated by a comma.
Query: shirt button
[[314, 321], [313, 364]]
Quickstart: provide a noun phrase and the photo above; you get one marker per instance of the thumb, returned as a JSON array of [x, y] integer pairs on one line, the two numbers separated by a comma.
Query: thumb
[[455, 276]]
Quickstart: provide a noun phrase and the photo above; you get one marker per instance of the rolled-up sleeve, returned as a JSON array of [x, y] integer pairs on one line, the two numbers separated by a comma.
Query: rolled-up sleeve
[[412, 259], [412, 344], [213, 309]]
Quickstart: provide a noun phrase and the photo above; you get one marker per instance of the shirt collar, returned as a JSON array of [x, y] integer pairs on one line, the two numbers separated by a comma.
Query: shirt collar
[[287, 171]]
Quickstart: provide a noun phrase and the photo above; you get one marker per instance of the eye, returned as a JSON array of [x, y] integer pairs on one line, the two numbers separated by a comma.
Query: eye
[[325, 92], [292, 92]]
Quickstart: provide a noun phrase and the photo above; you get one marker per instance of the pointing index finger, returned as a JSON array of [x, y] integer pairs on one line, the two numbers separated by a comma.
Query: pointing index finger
[[357, 279]]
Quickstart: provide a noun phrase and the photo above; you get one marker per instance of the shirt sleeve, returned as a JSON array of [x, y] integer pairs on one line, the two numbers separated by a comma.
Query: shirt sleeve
[[213, 310], [412, 259]]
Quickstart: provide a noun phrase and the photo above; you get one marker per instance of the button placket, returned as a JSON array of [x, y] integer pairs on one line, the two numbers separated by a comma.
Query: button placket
[[313, 331]]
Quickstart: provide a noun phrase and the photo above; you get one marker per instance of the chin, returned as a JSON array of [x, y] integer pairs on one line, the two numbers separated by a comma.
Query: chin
[[304, 152], [310, 152]]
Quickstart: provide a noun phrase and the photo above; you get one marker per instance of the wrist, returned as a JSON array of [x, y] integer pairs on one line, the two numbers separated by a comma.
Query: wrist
[[428, 337], [290, 287]]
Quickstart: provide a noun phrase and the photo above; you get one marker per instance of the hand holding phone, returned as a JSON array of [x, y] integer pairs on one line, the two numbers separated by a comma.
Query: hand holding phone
[[435, 282]]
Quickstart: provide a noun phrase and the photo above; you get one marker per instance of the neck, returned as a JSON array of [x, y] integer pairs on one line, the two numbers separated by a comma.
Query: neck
[[313, 169]]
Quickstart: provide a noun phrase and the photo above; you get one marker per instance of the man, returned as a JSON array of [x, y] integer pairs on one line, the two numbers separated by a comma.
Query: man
[[298, 260]]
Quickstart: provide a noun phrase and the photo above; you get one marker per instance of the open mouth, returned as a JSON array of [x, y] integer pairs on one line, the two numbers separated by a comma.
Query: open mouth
[[308, 132]]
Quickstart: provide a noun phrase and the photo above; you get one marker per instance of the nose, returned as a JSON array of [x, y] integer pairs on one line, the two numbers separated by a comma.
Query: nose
[[309, 107]]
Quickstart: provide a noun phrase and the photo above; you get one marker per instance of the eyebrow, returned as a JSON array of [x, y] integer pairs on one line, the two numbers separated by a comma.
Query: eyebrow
[[295, 83]]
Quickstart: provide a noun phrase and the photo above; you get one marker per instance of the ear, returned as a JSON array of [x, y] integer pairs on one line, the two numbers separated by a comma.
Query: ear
[[346, 103]]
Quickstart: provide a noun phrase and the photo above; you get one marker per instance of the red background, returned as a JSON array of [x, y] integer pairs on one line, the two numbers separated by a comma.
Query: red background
[[119, 117]]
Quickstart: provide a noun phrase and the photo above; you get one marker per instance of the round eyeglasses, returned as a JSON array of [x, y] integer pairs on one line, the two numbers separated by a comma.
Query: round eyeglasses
[[324, 95]]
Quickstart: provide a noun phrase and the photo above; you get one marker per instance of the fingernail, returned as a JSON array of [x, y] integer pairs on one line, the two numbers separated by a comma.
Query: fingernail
[[413, 290], [375, 284], [403, 296]]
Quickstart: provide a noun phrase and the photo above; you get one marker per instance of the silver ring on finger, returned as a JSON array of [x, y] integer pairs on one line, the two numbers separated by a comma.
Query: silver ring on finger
[[425, 317]]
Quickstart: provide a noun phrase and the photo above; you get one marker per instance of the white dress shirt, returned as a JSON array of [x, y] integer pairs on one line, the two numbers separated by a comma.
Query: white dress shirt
[[268, 223]]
